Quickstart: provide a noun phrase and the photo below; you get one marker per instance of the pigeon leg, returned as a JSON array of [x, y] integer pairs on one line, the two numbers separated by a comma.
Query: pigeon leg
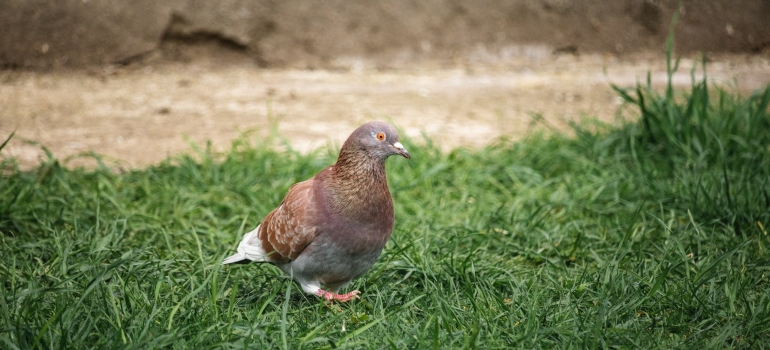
[[330, 296]]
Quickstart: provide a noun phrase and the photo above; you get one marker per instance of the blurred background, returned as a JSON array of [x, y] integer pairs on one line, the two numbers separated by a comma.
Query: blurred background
[[138, 81]]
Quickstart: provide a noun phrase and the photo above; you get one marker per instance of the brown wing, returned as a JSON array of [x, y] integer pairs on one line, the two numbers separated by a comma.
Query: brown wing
[[287, 230]]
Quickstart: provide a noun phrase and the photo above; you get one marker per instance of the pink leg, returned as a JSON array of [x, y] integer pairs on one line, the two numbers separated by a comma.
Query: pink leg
[[330, 296]]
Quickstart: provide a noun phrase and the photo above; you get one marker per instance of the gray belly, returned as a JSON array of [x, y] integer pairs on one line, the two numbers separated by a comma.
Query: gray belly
[[333, 265]]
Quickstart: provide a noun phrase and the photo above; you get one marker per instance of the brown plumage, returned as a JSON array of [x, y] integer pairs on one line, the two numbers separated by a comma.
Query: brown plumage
[[331, 228]]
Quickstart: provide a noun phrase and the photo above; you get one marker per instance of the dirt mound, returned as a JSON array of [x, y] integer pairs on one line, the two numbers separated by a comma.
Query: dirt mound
[[338, 33]]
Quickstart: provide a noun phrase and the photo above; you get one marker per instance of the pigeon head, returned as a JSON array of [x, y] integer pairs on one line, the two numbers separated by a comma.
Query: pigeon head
[[377, 139]]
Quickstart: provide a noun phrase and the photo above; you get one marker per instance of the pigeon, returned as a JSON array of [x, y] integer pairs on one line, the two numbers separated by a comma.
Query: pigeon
[[330, 229]]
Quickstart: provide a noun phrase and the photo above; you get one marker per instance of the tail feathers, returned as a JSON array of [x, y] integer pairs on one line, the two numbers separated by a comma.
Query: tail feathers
[[250, 249], [235, 258]]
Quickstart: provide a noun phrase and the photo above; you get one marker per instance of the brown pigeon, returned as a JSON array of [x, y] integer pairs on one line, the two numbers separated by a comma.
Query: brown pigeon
[[331, 228]]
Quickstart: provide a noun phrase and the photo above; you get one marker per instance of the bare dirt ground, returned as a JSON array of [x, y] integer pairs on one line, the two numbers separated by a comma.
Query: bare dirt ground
[[138, 115]]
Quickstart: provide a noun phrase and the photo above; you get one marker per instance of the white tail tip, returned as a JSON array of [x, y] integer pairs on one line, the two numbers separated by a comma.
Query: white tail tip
[[234, 259]]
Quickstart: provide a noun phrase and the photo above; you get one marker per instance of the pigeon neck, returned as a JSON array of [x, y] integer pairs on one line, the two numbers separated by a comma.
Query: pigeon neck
[[361, 186]]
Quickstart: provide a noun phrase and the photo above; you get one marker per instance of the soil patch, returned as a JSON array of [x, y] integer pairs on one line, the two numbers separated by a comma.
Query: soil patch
[[139, 115]]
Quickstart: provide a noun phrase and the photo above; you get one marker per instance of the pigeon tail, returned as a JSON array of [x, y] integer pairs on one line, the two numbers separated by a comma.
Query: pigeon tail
[[232, 259], [250, 249]]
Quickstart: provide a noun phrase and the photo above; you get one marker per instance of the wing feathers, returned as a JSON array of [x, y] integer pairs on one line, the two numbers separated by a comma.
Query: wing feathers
[[288, 229]]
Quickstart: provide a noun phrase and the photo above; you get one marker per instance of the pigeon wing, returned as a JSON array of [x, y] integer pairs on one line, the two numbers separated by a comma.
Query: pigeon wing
[[288, 229]]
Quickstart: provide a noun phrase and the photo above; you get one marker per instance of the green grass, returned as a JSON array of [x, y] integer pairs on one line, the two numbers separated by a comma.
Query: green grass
[[650, 234]]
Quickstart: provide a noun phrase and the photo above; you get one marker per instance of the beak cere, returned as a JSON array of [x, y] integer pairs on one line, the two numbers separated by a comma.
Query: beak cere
[[401, 150]]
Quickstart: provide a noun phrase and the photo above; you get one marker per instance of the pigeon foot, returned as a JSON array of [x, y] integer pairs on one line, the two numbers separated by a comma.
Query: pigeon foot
[[330, 296]]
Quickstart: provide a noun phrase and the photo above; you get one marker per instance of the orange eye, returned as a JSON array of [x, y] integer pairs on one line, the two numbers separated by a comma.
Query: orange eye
[[380, 136]]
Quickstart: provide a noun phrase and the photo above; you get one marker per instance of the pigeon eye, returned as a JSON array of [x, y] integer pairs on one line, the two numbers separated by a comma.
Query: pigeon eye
[[380, 136]]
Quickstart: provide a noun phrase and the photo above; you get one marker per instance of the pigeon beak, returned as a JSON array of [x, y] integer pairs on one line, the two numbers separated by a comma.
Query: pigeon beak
[[401, 150]]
